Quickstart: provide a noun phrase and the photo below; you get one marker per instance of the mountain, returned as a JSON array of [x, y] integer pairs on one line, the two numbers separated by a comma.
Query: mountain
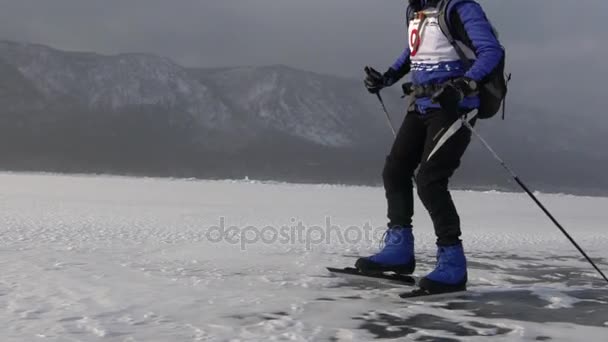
[[145, 115]]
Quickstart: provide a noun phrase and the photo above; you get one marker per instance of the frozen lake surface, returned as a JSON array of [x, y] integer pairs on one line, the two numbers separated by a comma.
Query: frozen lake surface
[[87, 258]]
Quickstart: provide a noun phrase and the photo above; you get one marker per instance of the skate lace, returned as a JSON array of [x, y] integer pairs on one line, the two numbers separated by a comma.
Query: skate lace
[[382, 241], [386, 237], [441, 262]]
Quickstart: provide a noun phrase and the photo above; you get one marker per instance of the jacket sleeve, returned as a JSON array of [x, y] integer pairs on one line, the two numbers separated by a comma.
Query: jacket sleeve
[[403, 62], [401, 67], [488, 50]]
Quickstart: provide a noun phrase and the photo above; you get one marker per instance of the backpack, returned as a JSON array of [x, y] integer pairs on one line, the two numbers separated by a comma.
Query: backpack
[[493, 88]]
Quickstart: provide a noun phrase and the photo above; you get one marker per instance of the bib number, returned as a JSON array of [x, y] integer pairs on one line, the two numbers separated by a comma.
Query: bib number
[[415, 42]]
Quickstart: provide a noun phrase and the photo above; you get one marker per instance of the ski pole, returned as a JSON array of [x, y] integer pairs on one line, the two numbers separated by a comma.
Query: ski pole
[[527, 190], [388, 117]]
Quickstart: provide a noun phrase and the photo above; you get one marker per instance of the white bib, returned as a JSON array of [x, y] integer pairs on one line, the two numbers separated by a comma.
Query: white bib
[[430, 49]]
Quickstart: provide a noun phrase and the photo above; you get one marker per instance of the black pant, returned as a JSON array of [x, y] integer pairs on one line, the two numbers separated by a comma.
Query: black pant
[[415, 141]]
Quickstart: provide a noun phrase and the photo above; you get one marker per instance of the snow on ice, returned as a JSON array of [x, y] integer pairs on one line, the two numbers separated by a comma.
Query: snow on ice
[[99, 258]]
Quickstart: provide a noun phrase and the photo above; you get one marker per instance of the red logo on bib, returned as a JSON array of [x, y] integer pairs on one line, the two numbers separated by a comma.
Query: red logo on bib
[[414, 42]]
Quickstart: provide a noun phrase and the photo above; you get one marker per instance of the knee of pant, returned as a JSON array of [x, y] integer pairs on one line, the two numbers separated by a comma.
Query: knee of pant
[[396, 170], [423, 180], [428, 184], [423, 189]]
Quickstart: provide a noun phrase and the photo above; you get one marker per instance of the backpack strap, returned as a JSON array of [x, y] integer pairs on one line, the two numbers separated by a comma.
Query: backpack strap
[[444, 7]]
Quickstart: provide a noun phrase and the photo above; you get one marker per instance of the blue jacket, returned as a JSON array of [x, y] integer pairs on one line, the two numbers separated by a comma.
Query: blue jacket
[[483, 41]]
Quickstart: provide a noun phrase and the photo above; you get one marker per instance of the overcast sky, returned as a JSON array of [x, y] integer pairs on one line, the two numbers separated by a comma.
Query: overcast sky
[[554, 46]]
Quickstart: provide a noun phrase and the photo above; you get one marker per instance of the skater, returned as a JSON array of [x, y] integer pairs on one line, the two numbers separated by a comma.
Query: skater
[[443, 90]]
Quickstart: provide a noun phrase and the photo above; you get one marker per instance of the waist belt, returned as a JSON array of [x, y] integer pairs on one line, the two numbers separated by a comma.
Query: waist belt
[[420, 91]]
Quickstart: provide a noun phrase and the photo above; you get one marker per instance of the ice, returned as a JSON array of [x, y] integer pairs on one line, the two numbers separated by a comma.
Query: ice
[[92, 258]]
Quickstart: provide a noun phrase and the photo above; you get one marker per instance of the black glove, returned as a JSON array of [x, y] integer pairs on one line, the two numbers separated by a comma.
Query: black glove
[[375, 81], [453, 92]]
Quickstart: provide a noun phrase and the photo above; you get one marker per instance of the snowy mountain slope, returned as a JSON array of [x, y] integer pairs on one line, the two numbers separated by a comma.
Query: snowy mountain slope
[[123, 259], [319, 108], [114, 82], [17, 94], [308, 106]]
